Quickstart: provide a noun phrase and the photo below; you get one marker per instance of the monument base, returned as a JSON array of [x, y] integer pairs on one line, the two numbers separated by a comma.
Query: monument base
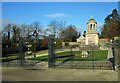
[[84, 54]]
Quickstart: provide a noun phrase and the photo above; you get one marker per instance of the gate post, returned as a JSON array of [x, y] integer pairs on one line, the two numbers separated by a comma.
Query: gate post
[[116, 42], [21, 56], [51, 51], [114, 52]]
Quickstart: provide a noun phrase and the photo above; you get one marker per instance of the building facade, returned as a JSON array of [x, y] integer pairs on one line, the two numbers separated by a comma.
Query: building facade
[[91, 37]]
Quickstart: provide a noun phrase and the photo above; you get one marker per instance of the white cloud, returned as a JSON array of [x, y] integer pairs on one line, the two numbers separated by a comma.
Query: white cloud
[[57, 15]]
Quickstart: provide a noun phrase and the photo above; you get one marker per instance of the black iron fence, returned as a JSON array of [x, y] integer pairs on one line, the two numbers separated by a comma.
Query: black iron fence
[[81, 57]]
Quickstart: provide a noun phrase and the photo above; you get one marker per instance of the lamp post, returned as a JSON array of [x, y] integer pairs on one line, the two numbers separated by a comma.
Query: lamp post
[[35, 34]]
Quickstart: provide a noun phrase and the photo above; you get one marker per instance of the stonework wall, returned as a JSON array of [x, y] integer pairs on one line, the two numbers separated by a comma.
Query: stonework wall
[[70, 43], [91, 39]]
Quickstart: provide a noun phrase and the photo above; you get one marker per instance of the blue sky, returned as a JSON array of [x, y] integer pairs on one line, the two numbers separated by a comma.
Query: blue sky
[[75, 13]]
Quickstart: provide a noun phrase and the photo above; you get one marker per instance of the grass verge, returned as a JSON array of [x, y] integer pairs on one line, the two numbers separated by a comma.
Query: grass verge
[[94, 56]]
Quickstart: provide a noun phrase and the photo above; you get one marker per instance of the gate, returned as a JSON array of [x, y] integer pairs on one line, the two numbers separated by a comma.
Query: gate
[[78, 57], [18, 59]]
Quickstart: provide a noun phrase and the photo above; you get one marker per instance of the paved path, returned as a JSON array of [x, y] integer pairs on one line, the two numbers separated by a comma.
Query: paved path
[[20, 74], [45, 54], [59, 51]]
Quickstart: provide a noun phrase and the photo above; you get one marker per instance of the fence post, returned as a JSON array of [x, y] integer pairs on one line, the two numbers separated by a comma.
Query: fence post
[[71, 50], [92, 47]]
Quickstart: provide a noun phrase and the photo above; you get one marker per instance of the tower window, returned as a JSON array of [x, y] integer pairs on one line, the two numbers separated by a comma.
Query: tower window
[[94, 26], [90, 26]]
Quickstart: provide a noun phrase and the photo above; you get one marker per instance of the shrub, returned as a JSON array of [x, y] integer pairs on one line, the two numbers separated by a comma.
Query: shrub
[[66, 43]]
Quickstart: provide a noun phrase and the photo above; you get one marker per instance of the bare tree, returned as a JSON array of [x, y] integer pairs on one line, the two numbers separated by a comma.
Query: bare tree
[[8, 29], [16, 33], [55, 27], [37, 27], [24, 30]]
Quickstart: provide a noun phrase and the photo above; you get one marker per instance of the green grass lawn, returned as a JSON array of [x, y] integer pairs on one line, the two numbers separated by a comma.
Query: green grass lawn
[[99, 55], [68, 53], [95, 55], [10, 56], [41, 58]]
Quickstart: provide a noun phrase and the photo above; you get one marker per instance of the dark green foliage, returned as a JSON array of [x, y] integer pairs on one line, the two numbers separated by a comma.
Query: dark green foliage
[[70, 33], [58, 43], [66, 43], [111, 28], [74, 46]]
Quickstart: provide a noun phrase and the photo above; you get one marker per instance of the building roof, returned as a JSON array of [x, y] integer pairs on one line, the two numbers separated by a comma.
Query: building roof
[[92, 20], [81, 39], [103, 40]]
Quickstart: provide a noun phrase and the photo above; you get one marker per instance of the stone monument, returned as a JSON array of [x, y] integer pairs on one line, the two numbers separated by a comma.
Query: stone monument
[[84, 54], [92, 34]]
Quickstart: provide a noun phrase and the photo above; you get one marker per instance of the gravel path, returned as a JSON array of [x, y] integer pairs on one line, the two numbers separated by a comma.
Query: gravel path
[[32, 56], [20, 74]]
